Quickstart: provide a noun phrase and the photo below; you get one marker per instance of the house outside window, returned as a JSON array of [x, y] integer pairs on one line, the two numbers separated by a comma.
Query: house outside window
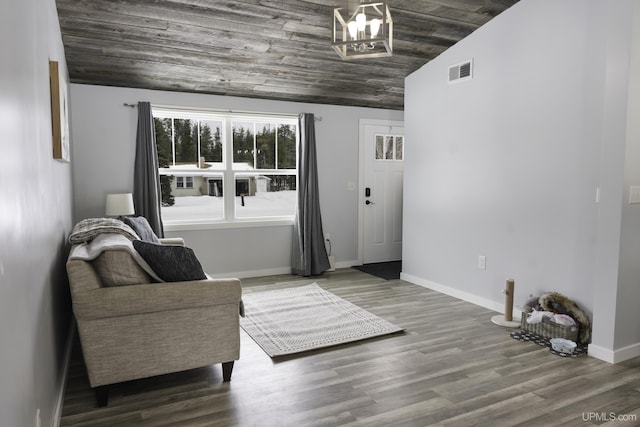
[[226, 168], [184, 182]]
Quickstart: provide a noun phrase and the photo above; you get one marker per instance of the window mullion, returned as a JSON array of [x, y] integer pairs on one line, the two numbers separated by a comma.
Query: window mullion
[[255, 147], [275, 154], [173, 143], [229, 192], [198, 150]]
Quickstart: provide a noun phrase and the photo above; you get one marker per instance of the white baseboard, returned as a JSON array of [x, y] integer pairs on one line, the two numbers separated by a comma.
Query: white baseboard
[[601, 353], [66, 361], [614, 356], [347, 264], [626, 353], [253, 273], [274, 271], [461, 295]]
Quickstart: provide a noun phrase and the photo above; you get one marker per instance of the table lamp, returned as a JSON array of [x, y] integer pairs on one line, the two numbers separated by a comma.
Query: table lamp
[[120, 204]]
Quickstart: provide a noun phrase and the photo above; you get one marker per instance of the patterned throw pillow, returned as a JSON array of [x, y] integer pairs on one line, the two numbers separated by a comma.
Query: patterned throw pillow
[[171, 263]]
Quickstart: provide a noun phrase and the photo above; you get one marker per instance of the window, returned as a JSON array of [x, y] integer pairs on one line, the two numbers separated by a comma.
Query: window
[[223, 168], [389, 147], [184, 182]]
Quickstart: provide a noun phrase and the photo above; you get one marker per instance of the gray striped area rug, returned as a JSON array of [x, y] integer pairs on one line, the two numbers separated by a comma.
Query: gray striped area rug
[[294, 320]]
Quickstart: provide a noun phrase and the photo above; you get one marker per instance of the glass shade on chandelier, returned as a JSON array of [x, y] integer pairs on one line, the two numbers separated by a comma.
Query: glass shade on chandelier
[[365, 33]]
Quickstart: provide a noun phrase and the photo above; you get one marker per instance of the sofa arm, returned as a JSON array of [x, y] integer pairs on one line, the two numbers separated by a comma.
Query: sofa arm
[[155, 297], [179, 241]]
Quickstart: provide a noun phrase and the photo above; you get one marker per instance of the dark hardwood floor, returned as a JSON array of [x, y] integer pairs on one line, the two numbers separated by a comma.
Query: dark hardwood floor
[[452, 367]]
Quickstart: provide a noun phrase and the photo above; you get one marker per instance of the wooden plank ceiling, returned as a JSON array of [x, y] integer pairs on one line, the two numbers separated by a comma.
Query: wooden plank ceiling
[[271, 49]]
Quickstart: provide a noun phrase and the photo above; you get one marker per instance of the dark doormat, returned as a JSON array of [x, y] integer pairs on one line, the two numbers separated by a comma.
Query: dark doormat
[[385, 270], [526, 336]]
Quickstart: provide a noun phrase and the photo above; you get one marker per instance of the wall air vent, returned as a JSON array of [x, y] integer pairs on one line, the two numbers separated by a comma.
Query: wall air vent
[[461, 72]]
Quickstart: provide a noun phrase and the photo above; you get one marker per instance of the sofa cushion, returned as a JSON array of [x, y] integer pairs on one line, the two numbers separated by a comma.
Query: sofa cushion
[[118, 268], [142, 228], [171, 263]]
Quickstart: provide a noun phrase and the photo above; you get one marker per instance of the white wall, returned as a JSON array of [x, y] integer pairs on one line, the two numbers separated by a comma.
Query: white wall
[[104, 149], [35, 218], [507, 165]]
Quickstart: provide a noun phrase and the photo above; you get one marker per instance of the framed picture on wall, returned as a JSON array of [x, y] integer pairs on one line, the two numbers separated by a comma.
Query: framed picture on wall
[[59, 113]]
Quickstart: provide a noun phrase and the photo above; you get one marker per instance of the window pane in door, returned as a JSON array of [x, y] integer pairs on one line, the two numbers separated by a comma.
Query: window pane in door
[[388, 148], [399, 147], [379, 147]]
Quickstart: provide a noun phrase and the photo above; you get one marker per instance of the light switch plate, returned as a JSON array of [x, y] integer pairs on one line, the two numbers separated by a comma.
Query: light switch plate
[[482, 262], [634, 194]]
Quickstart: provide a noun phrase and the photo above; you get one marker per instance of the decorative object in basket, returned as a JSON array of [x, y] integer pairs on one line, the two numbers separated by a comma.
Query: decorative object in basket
[[554, 309]]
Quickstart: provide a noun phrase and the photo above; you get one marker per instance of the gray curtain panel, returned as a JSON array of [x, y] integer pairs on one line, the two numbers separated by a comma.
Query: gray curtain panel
[[146, 179], [309, 254]]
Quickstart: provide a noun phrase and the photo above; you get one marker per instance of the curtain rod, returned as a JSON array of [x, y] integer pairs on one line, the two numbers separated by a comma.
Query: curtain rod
[[315, 117]]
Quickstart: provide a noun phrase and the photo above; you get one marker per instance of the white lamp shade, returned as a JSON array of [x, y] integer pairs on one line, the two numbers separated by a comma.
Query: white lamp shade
[[120, 204]]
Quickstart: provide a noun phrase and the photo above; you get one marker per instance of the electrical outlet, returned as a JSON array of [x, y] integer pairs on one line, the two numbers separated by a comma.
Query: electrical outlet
[[482, 262]]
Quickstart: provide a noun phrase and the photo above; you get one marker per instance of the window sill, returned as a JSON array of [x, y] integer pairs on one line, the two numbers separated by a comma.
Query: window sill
[[213, 225]]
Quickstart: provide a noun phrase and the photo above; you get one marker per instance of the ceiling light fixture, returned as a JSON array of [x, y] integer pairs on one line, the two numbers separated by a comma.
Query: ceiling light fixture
[[366, 33]]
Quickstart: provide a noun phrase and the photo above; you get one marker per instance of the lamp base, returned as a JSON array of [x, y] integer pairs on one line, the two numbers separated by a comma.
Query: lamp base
[[501, 321]]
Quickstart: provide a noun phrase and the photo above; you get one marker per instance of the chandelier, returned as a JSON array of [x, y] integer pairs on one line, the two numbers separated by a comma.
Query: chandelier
[[365, 33]]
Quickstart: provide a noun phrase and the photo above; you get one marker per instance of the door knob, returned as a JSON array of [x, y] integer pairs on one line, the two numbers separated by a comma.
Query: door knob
[[369, 202]]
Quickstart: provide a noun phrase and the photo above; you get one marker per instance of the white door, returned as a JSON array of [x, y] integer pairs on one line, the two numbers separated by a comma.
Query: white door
[[382, 192]]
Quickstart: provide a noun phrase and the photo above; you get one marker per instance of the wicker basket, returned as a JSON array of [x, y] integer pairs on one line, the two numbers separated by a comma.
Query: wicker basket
[[549, 329]]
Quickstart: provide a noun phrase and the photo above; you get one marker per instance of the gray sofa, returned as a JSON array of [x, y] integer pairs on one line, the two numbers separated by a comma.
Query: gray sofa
[[132, 327]]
